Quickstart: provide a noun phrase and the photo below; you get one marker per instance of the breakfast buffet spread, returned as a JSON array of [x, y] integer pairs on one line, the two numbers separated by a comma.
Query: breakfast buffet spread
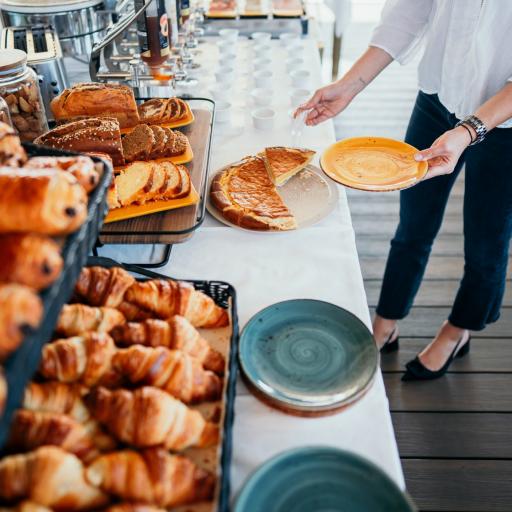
[[118, 384]]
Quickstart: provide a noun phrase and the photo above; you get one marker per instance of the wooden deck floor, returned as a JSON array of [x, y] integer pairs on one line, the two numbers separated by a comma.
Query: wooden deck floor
[[455, 434]]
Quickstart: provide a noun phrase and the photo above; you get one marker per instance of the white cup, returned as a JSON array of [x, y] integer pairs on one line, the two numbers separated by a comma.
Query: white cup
[[289, 38], [294, 63], [299, 97], [221, 92], [263, 118], [225, 75], [261, 64], [262, 97], [263, 52], [229, 34], [261, 36], [222, 112], [301, 78], [227, 50], [263, 79]]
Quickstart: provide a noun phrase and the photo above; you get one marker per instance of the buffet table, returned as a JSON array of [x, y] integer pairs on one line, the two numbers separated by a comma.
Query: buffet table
[[319, 262]]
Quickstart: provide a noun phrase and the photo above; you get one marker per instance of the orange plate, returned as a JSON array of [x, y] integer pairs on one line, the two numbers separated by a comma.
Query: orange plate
[[188, 119], [375, 164], [129, 212], [184, 158]]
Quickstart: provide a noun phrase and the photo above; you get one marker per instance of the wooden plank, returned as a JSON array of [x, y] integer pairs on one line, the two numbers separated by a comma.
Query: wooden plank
[[439, 267], [455, 392], [431, 292], [460, 485], [486, 355], [452, 435], [423, 322], [370, 225], [376, 245]]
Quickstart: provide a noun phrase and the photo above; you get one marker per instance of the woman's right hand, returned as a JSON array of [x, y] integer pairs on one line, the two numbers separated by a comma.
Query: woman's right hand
[[327, 102]]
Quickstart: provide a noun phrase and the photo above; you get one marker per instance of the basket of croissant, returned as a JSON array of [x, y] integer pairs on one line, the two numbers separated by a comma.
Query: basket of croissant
[[131, 407], [52, 204]]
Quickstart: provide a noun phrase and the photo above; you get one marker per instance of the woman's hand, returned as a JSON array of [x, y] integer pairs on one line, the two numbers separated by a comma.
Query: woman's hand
[[325, 103], [445, 152]]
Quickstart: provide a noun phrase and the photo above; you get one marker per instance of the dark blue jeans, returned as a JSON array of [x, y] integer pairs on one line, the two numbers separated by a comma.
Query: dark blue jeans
[[487, 223]]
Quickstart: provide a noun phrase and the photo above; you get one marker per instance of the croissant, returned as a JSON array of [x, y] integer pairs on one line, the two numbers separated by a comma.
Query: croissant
[[134, 313], [175, 333], [76, 319], [174, 371], [26, 506], [150, 417], [61, 398], [152, 476], [29, 259], [86, 359], [99, 286], [50, 202], [32, 429], [51, 477], [166, 298], [20, 310]]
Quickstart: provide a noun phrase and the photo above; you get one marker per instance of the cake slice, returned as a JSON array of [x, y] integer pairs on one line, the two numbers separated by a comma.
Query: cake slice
[[283, 163], [160, 140], [138, 144], [172, 185], [185, 182], [134, 182]]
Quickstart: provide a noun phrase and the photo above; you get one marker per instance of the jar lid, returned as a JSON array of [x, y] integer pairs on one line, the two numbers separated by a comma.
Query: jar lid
[[11, 60]]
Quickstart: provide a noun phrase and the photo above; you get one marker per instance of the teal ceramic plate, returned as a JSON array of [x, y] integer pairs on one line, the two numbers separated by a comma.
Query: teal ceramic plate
[[308, 355], [321, 479]]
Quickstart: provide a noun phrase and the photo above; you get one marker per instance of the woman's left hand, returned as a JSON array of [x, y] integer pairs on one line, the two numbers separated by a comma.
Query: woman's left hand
[[443, 155]]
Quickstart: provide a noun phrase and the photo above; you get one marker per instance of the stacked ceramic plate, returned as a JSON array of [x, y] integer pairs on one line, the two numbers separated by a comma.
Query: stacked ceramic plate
[[321, 479], [307, 357]]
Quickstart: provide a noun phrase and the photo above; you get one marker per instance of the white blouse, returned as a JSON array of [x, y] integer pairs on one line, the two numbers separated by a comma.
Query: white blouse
[[468, 50]]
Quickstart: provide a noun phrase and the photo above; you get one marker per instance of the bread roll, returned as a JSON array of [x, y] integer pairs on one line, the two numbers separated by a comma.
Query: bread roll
[[20, 309], [11, 150], [29, 259], [88, 135], [51, 202], [97, 100]]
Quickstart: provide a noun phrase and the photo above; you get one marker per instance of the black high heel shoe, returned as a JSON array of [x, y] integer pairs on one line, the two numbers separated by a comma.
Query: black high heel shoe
[[417, 371], [391, 345]]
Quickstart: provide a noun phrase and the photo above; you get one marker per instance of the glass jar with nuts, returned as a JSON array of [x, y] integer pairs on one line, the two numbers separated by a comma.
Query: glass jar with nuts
[[19, 88]]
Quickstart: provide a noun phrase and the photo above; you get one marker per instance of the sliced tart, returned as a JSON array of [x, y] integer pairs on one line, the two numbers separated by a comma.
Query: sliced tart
[[283, 163]]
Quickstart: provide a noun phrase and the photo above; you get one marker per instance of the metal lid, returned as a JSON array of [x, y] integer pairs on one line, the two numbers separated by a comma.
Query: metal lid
[[12, 60], [46, 6]]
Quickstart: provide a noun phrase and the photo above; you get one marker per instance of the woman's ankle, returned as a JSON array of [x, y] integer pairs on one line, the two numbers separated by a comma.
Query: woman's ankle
[[383, 329]]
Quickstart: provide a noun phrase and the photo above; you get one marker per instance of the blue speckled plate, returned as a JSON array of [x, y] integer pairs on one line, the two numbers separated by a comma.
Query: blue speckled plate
[[321, 479], [308, 355]]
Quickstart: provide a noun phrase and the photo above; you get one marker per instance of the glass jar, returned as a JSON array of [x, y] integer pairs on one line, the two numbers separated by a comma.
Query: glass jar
[[19, 88], [4, 113]]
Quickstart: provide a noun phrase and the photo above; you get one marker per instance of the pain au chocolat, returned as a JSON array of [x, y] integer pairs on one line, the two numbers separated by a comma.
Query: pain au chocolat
[[283, 163], [246, 196]]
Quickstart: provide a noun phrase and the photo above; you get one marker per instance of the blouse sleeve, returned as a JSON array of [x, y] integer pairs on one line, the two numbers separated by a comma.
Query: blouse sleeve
[[402, 26]]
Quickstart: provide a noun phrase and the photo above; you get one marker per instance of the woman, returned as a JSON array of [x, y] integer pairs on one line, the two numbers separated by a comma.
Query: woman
[[462, 115]]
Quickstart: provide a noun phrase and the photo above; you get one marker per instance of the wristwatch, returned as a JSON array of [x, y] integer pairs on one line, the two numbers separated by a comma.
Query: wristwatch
[[477, 125]]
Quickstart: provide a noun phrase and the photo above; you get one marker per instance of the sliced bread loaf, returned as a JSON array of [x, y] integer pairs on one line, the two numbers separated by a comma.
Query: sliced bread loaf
[[138, 144]]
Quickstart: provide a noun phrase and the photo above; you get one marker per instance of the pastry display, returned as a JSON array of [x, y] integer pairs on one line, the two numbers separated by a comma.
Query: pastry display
[[163, 110], [97, 100], [21, 309], [247, 197], [87, 135], [283, 163], [29, 259], [151, 476], [222, 6]]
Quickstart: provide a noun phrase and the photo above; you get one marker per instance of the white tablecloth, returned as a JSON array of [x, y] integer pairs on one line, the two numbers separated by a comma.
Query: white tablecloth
[[318, 262]]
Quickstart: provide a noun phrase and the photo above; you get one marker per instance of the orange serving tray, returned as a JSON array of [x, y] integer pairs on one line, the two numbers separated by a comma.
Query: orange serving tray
[[129, 212], [374, 164]]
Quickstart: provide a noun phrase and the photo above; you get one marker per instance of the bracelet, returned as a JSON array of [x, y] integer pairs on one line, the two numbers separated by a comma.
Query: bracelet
[[468, 130], [477, 125]]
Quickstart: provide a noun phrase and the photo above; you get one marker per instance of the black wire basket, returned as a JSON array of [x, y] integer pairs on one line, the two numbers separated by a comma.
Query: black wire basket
[[23, 363]]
